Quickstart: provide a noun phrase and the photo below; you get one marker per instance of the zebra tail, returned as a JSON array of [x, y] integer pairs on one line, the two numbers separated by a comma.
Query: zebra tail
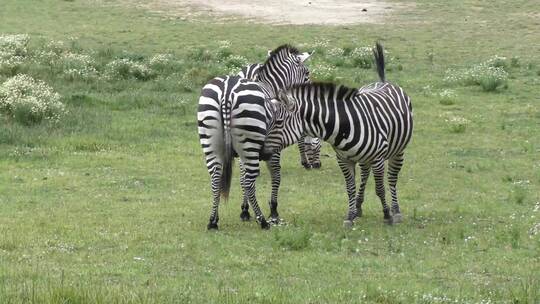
[[378, 52], [228, 156]]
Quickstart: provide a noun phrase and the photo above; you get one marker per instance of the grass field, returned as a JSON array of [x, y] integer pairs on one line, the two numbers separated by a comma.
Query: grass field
[[110, 203]]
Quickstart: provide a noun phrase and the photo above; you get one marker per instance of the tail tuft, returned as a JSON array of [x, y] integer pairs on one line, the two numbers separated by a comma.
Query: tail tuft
[[226, 175], [228, 153], [378, 53]]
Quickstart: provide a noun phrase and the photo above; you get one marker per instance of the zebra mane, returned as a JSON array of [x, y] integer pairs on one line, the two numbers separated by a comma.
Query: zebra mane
[[291, 49], [325, 87]]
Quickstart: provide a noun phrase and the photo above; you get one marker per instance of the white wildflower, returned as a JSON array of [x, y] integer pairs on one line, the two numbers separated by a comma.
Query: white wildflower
[[126, 68], [323, 72], [78, 66], [13, 51], [160, 60], [23, 97]]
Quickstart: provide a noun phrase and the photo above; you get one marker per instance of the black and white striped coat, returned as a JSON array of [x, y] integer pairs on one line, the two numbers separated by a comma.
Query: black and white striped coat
[[309, 147], [366, 126], [234, 117]]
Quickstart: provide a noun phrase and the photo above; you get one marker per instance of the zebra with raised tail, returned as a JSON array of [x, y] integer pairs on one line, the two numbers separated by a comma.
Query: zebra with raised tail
[[234, 117], [366, 126]]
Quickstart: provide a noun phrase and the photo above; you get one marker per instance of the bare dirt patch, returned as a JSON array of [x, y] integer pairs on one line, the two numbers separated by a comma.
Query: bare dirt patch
[[326, 12]]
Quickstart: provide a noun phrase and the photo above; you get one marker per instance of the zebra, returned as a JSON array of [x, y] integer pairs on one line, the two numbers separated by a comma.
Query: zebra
[[367, 126], [309, 148], [234, 117]]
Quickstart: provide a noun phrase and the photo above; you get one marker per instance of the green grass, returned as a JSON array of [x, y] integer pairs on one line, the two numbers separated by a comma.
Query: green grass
[[111, 204]]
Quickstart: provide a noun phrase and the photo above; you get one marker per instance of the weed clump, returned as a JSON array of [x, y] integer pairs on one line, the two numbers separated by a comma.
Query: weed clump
[[235, 63], [126, 68], [457, 124], [13, 52], [323, 72], [447, 97], [295, 239], [490, 75], [29, 101], [78, 66], [362, 57]]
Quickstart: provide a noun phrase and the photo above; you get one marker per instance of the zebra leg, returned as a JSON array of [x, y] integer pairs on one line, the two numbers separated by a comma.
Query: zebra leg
[[251, 173], [366, 169], [394, 166], [348, 170], [378, 173], [275, 172], [316, 153], [244, 215], [303, 156], [216, 180]]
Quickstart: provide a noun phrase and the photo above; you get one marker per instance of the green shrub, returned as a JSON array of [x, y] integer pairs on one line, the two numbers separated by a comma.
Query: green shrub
[[78, 66], [29, 101], [323, 72], [447, 97], [490, 75], [164, 64], [457, 124], [235, 63], [200, 55], [126, 68], [362, 57], [13, 52], [336, 56]]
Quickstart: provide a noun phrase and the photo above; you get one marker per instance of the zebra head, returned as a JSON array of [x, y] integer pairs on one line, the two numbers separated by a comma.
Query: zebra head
[[284, 68], [285, 128]]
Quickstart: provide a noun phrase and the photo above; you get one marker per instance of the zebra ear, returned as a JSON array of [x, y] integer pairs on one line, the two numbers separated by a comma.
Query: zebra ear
[[304, 56], [269, 53]]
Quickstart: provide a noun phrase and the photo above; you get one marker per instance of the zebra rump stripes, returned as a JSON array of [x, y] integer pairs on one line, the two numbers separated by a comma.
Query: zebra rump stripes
[[234, 117], [367, 126]]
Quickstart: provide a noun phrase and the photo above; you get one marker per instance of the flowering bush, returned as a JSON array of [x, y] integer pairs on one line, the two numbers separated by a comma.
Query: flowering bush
[[160, 61], [127, 68], [78, 66], [29, 101], [13, 51], [447, 97], [362, 57], [224, 49], [336, 56], [321, 45], [489, 75], [457, 124], [235, 63], [323, 72]]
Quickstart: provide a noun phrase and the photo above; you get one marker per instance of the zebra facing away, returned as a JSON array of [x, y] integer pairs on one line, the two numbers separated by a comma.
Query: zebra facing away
[[234, 117], [309, 148], [367, 126]]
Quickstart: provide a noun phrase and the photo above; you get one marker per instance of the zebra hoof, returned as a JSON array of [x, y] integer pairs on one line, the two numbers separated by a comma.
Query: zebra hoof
[[264, 224], [397, 218], [388, 221], [274, 220], [306, 165], [316, 165], [347, 224], [212, 226], [245, 216]]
